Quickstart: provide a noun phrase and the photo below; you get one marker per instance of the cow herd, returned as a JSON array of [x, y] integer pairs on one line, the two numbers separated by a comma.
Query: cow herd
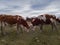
[[28, 23]]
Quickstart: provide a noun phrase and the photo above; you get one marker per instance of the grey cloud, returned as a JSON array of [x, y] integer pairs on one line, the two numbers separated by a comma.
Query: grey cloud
[[30, 7]]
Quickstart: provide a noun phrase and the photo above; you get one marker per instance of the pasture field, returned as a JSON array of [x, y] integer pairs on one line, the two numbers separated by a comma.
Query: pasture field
[[47, 37]]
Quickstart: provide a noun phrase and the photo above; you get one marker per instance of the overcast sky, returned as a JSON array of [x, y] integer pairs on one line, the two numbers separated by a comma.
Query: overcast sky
[[30, 7]]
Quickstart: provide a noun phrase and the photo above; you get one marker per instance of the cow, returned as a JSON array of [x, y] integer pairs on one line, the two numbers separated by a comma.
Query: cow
[[49, 19], [35, 22], [16, 19], [44, 20]]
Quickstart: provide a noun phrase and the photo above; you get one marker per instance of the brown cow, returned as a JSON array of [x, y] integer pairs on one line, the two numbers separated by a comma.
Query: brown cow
[[16, 20], [9, 19]]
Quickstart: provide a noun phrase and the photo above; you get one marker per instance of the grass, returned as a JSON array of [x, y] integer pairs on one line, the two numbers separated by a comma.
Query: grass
[[47, 37]]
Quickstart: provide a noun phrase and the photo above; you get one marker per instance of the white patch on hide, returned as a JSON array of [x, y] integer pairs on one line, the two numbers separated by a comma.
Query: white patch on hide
[[29, 23], [33, 20], [42, 17], [53, 20], [18, 18]]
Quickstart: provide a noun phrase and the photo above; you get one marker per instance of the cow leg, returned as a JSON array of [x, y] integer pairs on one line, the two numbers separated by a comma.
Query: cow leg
[[21, 29], [3, 24], [2, 33], [4, 27], [17, 28], [41, 27], [33, 28], [55, 26], [52, 27]]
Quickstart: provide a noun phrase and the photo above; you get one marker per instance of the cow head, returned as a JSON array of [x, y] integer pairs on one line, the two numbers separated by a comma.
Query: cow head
[[23, 22]]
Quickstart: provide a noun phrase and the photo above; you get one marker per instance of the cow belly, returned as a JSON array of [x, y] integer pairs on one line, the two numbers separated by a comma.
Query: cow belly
[[11, 22]]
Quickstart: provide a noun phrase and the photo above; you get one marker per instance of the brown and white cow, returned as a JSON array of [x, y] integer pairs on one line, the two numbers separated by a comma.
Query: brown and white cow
[[19, 20], [44, 19], [49, 19]]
